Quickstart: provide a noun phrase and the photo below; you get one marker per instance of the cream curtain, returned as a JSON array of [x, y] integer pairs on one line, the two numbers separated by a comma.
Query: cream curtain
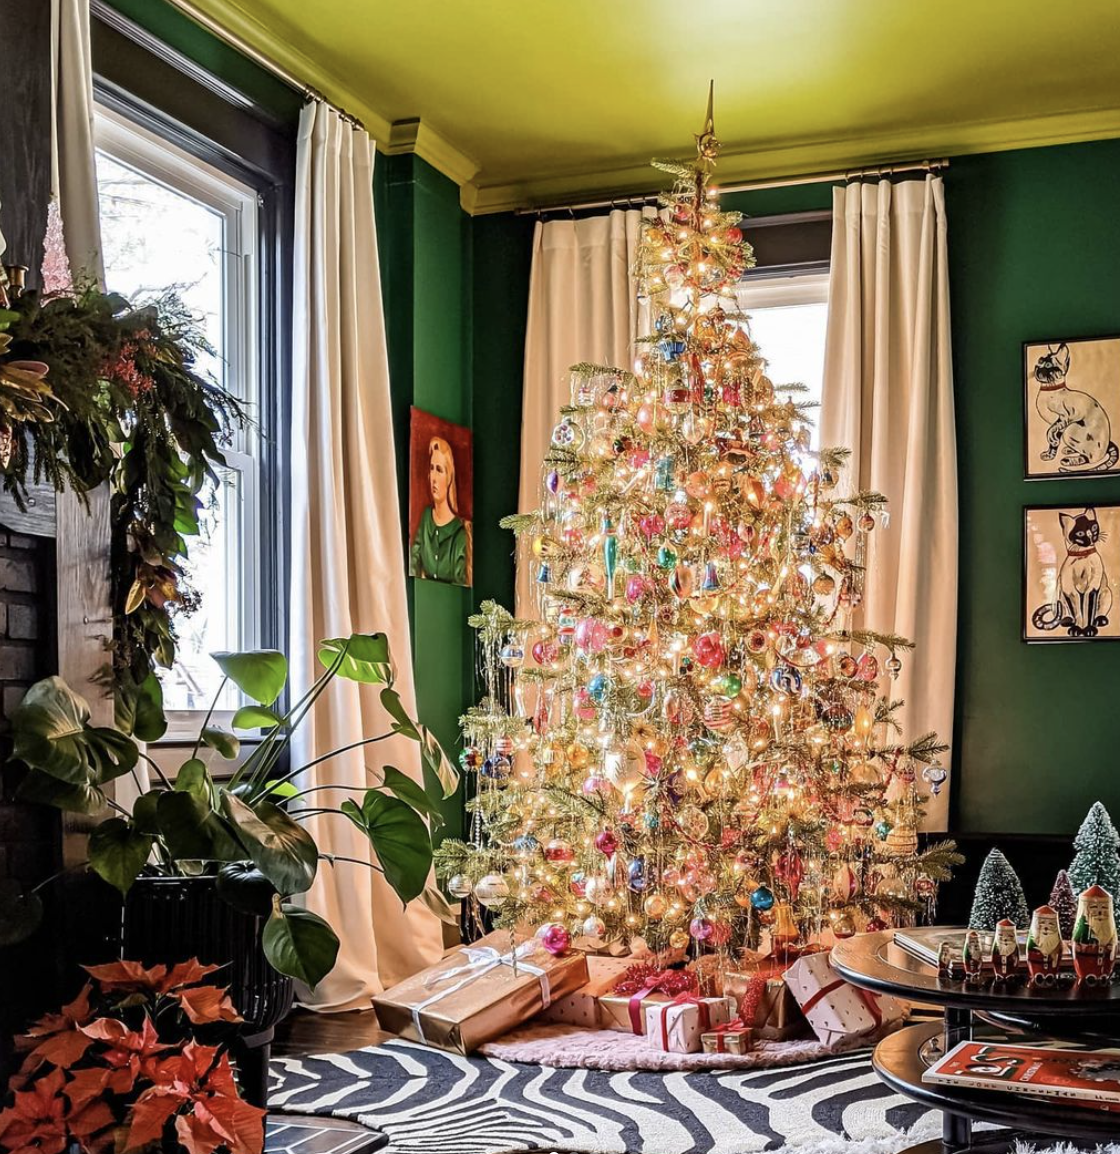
[[888, 396], [348, 571], [583, 306]]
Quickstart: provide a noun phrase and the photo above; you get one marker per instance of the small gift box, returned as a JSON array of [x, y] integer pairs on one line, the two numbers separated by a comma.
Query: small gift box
[[677, 1026], [624, 1007], [581, 1008], [765, 1002], [479, 992], [731, 1037], [835, 1008]]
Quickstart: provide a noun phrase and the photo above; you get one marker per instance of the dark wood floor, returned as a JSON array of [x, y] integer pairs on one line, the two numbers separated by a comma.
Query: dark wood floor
[[304, 1032]]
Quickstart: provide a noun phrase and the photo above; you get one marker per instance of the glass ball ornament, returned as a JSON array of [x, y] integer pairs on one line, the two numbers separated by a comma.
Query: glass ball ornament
[[559, 852], [678, 940], [459, 886], [700, 928], [526, 844], [654, 907], [624, 765], [598, 890], [594, 927], [598, 687], [844, 883], [578, 755], [935, 777], [636, 875], [491, 891], [555, 938], [594, 785], [762, 899], [496, 767], [512, 656], [843, 925], [471, 757], [693, 822], [883, 829], [606, 842]]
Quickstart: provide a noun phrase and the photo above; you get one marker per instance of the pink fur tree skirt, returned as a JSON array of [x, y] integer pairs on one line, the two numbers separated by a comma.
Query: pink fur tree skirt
[[547, 1044]]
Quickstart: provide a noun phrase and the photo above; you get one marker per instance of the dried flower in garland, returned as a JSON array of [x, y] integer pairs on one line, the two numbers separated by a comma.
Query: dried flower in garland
[[94, 391]]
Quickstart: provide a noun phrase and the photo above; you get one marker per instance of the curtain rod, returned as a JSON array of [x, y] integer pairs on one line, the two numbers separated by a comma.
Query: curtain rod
[[241, 45], [878, 170]]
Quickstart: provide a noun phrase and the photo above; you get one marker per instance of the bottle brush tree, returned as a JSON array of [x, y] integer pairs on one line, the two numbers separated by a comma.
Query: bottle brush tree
[[999, 894], [1096, 861]]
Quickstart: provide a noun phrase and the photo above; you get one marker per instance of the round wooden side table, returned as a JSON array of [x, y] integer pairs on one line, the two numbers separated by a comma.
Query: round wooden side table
[[874, 962]]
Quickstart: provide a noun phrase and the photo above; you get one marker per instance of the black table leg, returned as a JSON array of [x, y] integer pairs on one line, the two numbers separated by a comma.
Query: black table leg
[[956, 1131]]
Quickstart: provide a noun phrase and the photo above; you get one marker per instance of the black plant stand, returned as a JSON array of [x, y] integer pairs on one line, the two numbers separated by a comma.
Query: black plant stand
[[874, 962]]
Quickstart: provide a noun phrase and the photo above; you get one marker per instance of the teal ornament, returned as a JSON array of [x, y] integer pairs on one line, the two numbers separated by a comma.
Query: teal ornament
[[762, 899], [651, 821], [882, 829], [785, 680], [666, 557], [663, 474], [598, 687], [610, 555], [544, 574]]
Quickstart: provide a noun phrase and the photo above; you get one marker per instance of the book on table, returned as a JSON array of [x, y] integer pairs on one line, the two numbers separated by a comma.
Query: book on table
[[1080, 1077]]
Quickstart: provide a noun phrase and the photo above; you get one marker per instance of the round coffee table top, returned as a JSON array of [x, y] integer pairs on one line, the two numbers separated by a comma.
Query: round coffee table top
[[875, 962], [901, 1058]]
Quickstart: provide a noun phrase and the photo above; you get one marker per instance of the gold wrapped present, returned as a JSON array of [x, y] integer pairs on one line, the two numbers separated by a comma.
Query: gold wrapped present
[[479, 992], [765, 1003], [733, 1037], [582, 1007]]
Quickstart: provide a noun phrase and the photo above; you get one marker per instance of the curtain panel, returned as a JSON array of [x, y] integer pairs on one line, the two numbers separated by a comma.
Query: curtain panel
[[348, 566], [888, 396]]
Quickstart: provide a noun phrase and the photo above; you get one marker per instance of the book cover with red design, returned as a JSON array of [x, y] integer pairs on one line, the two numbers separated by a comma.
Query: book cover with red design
[[1085, 1077]]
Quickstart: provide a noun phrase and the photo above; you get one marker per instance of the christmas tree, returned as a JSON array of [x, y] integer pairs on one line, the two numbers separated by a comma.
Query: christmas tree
[[692, 743], [1063, 901], [999, 894], [1096, 861]]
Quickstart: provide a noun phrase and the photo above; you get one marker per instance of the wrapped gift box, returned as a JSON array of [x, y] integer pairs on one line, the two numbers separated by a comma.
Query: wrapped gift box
[[582, 1007], [765, 1002], [624, 1008], [835, 1008], [732, 1037], [479, 992], [676, 1027]]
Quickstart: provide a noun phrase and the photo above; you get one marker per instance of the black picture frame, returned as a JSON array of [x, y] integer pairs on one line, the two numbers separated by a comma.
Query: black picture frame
[[1030, 398], [1058, 634]]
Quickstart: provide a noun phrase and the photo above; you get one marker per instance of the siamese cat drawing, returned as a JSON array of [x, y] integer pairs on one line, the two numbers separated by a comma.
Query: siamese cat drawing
[[1083, 596], [1080, 432]]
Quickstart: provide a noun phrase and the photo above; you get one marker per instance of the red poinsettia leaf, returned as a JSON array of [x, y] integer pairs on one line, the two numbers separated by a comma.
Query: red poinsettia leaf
[[204, 1004], [241, 1123], [195, 1135], [220, 1080], [111, 1031], [126, 975], [186, 974], [94, 1117], [122, 1079], [62, 1050], [149, 1115], [87, 1085], [76, 1013]]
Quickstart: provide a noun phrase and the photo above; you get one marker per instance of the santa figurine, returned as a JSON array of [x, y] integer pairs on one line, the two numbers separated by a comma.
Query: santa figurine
[[972, 957], [1005, 952], [1094, 937], [1044, 947]]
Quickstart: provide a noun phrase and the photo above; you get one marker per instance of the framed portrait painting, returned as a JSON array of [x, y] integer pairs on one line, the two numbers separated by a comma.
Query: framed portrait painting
[[440, 503], [1071, 573], [1072, 407]]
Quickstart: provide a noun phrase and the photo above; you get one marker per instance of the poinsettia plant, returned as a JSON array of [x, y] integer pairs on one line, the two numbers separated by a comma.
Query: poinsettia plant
[[247, 829], [140, 1056]]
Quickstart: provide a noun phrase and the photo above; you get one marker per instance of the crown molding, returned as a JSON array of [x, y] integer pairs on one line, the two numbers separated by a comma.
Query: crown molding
[[417, 136], [855, 151]]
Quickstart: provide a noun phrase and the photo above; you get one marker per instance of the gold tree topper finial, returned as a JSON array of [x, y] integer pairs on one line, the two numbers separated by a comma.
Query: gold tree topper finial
[[707, 146]]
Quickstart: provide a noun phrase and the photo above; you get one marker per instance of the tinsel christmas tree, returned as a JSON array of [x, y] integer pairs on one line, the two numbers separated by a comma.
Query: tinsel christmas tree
[[999, 894], [1096, 861], [1063, 901], [693, 741]]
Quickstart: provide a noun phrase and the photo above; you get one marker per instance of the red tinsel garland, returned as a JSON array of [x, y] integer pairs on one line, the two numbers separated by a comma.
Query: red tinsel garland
[[651, 977]]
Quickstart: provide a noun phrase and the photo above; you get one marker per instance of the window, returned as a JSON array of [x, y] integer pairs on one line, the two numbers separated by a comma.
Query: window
[[171, 221], [788, 316]]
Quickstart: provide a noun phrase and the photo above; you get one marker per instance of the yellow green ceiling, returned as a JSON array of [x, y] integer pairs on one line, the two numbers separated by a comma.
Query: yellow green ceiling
[[530, 101]]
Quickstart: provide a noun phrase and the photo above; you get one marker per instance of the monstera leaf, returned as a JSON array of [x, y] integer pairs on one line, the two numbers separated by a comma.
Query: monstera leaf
[[118, 852], [299, 943], [259, 673], [399, 837], [51, 733], [364, 657], [281, 848]]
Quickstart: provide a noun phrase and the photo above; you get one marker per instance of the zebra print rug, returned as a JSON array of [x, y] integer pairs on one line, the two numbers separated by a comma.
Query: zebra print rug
[[430, 1102]]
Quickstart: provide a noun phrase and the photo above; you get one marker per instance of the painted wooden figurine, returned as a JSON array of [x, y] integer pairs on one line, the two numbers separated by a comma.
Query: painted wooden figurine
[[1094, 937], [1006, 964], [972, 957], [1044, 948]]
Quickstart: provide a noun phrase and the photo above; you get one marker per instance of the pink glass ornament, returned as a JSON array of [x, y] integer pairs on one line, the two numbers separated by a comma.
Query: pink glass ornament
[[635, 588], [708, 649], [867, 667], [606, 842], [720, 935], [585, 707], [645, 418], [555, 938], [594, 784], [559, 851], [701, 929], [652, 525]]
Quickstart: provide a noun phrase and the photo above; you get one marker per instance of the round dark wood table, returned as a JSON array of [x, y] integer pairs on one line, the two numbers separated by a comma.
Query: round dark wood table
[[1073, 1014]]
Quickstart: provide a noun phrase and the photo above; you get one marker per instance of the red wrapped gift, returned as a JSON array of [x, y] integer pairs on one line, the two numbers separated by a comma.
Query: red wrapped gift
[[676, 1027], [623, 1007], [734, 1037]]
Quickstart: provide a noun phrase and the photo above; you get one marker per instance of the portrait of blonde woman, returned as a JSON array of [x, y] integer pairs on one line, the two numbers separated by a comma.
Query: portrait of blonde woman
[[440, 501]]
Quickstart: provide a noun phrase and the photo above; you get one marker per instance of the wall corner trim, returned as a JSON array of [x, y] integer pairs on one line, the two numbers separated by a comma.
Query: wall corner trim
[[416, 136]]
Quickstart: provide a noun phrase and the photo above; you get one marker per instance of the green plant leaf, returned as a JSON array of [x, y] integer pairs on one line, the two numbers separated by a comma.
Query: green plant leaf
[[412, 792], [245, 888], [281, 848], [261, 673], [144, 812], [256, 717], [278, 789], [399, 838], [192, 831], [194, 778], [150, 723], [437, 903], [402, 723], [51, 733], [299, 943], [436, 763], [46, 790], [20, 913], [221, 740], [366, 657], [118, 852]]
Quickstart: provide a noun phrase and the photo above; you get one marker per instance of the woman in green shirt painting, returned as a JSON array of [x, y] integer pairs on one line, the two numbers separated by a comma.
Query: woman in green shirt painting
[[441, 548]]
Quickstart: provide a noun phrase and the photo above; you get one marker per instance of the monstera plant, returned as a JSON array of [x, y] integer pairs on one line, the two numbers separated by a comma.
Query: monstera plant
[[248, 829]]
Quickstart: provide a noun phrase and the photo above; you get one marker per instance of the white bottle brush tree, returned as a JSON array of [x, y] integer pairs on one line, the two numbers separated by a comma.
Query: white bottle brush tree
[[1096, 861], [999, 894]]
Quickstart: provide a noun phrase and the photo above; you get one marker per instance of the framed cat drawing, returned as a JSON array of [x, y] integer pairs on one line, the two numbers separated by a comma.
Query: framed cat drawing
[[1071, 407], [1071, 573]]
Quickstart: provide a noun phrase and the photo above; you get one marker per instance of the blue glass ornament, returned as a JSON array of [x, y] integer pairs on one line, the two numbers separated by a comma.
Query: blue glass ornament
[[786, 680], [672, 348], [710, 583], [526, 843], [544, 574], [636, 875], [598, 687], [882, 829], [496, 767], [762, 899], [663, 473]]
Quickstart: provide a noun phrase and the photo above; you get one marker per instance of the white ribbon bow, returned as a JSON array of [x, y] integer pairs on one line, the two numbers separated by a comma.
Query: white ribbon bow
[[481, 960]]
